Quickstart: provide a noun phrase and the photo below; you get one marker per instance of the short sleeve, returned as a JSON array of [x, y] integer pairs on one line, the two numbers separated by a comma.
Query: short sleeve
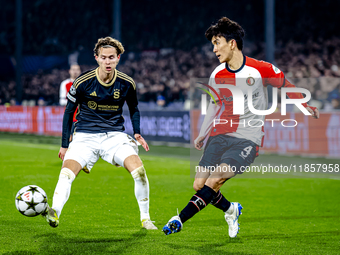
[[272, 75]]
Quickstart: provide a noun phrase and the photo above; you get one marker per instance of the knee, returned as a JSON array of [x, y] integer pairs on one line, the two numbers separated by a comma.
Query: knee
[[132, 162], [216, 183], [198, 185], [67, 174], [140, 174]]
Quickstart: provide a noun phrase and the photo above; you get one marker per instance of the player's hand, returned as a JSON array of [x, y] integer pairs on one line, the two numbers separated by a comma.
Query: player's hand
[[141, 140], [314, 111], [62, 153], [199, 142]]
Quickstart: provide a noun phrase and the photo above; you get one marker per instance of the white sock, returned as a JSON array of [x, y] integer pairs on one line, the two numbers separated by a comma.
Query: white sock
[[142, 191], [230, 209], [63, 189]]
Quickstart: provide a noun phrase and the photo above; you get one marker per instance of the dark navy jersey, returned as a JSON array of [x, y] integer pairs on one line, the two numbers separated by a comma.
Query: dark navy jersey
[[100, 105]]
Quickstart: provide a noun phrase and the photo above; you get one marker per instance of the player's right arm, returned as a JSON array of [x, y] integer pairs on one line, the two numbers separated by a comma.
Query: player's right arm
[[209, 117], [206, 125], [67, 125], [71, 106]]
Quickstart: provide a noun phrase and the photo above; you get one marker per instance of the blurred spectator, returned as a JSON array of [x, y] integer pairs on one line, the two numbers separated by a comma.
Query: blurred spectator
[[336, 103], [160, 102], [168, 72], [333, 99], [41, 101], [66, 84], [12, 102]]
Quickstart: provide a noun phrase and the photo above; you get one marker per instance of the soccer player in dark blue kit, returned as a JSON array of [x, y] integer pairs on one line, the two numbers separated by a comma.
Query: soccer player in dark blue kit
[[100, 94]]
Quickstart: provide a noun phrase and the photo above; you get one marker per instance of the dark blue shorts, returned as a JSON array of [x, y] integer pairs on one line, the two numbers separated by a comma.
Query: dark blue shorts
[[238, 153]]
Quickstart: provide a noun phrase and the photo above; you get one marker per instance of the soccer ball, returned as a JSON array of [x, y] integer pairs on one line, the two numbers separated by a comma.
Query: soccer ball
[[31, 200]]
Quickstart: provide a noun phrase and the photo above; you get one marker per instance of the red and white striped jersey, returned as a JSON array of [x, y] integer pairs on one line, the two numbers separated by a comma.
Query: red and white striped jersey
[[64, 89], [253, 76]]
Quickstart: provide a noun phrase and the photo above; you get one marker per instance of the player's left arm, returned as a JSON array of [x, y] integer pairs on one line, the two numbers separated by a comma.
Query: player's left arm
[[311, 109], [276, 78], [206, 125], [132, 103]]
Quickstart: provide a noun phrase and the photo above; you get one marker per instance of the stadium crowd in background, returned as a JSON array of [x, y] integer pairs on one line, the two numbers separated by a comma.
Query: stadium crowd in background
[[163, 76]]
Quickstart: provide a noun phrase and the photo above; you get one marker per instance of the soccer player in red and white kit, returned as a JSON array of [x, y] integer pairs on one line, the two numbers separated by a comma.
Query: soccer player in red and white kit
[[66, 84], [230, 148]]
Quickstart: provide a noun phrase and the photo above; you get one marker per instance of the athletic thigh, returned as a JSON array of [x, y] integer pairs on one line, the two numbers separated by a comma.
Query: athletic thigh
[[117, 147], [84, 149], [213, 151], [242, 153]]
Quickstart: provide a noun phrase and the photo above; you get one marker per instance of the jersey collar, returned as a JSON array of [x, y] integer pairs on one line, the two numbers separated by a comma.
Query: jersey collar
[[103, 83], [235, 71]]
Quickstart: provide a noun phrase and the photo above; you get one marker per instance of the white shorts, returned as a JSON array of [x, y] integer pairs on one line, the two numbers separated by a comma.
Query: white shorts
[[113, 147]]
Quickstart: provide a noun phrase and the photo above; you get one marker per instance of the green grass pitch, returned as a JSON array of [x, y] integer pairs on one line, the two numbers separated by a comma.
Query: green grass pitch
[[280, 216]]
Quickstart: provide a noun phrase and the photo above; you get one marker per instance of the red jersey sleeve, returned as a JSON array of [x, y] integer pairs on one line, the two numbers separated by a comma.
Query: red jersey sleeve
[[292, 95], [272, 75]]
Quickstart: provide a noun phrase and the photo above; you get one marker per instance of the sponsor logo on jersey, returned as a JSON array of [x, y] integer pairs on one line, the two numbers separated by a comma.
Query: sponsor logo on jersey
[[92, 105], [116, 94], [108, 107], [94, 94], [276, 70], [250, 81], [228, 99]]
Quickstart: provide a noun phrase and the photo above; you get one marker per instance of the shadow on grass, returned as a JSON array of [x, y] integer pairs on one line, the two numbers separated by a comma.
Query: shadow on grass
[[55, 244], [19, 252], [220, 247], [309, 235], [260, 219]]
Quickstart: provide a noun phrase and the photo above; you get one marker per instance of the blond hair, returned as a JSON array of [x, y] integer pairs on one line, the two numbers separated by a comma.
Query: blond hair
[[108, 42]]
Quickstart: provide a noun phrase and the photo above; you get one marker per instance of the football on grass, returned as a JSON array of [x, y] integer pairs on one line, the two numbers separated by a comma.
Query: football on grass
[[31, 200]]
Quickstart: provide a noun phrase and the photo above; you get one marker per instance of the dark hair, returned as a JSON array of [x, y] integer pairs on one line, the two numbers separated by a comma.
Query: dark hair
[[228, 29]]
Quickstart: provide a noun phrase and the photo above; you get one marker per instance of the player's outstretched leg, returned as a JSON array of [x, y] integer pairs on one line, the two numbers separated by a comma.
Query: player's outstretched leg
[[142, 196], [231, 216], [221, 202], [198, 202], [51, 217], [60, 197]]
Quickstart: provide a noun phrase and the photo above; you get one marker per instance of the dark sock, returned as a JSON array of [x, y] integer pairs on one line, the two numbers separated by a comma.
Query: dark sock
[[200, 200], [221, 202]]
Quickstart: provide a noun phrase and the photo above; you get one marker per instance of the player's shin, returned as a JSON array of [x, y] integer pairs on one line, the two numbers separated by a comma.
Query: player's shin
[[142, 191], [198, 202], [221, 202], [63, 189]]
